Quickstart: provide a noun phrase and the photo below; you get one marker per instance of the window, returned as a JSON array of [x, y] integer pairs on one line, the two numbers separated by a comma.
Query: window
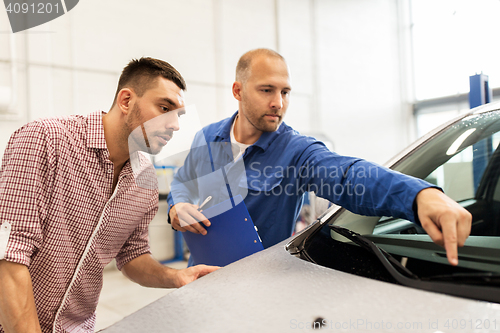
[[452, 40]]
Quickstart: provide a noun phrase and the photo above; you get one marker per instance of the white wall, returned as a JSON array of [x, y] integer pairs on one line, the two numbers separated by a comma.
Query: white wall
[[360, 100], [343, 54]]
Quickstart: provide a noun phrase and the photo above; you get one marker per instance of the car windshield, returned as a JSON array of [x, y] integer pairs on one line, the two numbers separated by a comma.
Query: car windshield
[[463, 159]]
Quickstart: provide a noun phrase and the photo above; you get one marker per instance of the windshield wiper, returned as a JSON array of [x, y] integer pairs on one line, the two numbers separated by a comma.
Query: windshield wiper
[[384, 257], [488, 278], [461, 282]]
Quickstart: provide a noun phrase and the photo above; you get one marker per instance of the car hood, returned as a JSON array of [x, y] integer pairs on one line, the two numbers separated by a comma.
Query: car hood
[[273, 291]]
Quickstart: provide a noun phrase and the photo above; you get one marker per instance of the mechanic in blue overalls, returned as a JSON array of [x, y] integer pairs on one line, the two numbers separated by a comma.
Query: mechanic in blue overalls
[[255, 154]]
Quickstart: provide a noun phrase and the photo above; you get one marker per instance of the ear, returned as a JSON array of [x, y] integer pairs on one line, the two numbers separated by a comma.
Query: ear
[[237, 90], [123, 100]]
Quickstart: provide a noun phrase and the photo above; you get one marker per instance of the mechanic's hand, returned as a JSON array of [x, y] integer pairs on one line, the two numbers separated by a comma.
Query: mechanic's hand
[[444, 220], [187, 275], [185, 217]]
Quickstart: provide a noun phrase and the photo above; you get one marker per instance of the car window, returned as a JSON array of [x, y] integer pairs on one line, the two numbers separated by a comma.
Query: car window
[[455, 176], [464, 161], [461, 175]]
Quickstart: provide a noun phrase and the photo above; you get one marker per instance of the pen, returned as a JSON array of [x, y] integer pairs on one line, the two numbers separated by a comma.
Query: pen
[[205, 202]]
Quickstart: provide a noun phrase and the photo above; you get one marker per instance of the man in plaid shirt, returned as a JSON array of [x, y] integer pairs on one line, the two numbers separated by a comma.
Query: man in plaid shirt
[[76, 193]]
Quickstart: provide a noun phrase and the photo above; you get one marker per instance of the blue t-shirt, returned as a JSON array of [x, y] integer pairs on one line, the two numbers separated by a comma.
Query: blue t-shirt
[[276, 172]]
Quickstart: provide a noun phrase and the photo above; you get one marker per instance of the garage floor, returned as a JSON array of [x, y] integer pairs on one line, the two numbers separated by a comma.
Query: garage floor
[[121, 297]]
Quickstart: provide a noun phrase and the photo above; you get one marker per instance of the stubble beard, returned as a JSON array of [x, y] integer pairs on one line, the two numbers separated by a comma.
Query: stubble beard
[[258, 121], [135, 128]]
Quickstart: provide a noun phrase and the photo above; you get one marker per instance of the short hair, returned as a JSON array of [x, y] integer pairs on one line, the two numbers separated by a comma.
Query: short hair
[[244, 64], [141, 75]]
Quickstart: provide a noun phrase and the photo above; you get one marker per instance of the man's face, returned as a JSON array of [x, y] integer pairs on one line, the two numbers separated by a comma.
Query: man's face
[[265, 94], [154, 117]]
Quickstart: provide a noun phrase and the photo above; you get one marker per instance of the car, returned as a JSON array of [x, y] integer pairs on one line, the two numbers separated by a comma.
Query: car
[[353, 273]]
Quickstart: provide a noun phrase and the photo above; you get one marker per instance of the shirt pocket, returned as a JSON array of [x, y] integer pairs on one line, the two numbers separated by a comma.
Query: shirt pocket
[[5, 230]]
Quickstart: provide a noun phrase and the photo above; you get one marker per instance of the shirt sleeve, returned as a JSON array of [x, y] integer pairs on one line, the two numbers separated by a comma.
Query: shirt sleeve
[[137, 243], [184, 187], [360, 186], [25, 187]]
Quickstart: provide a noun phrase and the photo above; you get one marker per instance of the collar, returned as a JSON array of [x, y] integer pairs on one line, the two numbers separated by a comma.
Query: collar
[[224, 133], [95, 131], [96, 139]]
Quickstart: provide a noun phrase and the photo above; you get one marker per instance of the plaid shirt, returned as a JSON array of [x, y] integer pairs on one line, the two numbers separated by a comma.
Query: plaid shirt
[[61, 218]]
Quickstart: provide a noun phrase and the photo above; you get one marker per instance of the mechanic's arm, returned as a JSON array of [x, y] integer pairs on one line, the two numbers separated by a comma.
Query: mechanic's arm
[[388, 194], [185, 217], [445, 221], [17, 303], [184, 190], [148, 272]]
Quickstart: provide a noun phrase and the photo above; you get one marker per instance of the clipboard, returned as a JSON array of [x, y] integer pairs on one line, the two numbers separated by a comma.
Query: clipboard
[[230, 237]]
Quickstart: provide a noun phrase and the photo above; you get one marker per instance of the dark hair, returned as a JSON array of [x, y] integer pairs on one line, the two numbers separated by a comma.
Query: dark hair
[[243, 66], [141, 75]]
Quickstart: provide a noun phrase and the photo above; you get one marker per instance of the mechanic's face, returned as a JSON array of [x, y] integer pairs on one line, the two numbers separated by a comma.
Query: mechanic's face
[[154, 117], [264, 96]]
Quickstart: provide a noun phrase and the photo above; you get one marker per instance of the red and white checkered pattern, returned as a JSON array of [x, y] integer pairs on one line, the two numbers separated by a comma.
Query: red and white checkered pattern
[[56, 191]]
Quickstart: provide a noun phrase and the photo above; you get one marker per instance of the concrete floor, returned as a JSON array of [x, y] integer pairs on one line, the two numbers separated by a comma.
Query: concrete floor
[[121, 297]]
